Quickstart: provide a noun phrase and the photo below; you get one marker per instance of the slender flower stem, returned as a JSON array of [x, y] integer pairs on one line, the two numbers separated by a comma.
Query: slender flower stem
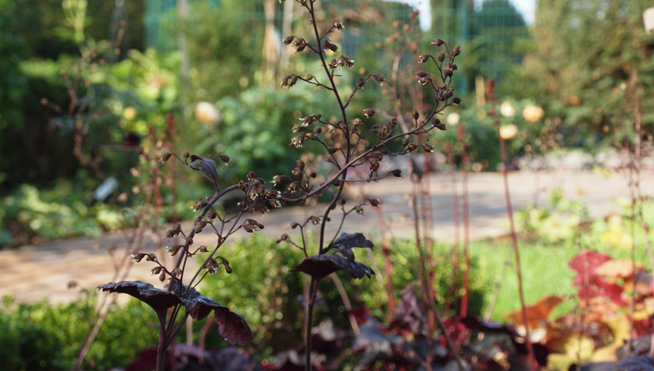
[[514, 237], [161, 346], [466, 225], [313, 288]]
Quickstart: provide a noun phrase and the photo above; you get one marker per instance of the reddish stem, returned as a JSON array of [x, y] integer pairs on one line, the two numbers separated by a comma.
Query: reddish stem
[[514, 237], [466, 229], [388, 266]]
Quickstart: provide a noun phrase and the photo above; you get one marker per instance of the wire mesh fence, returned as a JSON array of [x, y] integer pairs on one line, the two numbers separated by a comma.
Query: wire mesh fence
[[492, 33]]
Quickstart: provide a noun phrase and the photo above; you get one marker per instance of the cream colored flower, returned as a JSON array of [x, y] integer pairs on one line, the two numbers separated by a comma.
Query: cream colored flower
[[532, 113], [453, 118], [507, 110], [207, 113], [129, 113], [508, 132]]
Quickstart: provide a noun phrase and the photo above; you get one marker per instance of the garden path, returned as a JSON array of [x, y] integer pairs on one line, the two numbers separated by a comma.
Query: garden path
[[32, 273]]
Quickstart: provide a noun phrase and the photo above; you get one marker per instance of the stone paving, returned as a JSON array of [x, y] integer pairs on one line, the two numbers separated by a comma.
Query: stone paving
[[32, 273]]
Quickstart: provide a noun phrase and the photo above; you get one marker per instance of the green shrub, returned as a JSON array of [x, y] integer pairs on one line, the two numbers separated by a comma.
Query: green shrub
[[256, 128], [64, 211], [266, 293], [558, 222], [47, 337]]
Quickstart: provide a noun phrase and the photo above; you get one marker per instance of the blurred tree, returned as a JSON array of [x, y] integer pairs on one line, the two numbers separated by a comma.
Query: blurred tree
[[224, 45], [13, 48], [491, 36], [42, 24], [446, 21], [582, 61], [104, 17], [497, 30]]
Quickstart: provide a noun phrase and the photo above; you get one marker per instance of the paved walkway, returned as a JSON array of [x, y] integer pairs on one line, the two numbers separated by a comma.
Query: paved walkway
[[32, 273]]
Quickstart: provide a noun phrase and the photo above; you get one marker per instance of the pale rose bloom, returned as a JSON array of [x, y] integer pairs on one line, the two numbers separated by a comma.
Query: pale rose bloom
[[453, 118], [532, 113], [507, 110], [207, 113], [508, 132]]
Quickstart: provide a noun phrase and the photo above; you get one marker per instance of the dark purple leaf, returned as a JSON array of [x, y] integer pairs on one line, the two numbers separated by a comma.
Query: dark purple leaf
[[192, 357], [290, 360], [146, 359], [158, 299], [373, 335], [319, 266], [344, 244], [205, 166], [410, 312], [231, 359], [232, 327], [499, 336]]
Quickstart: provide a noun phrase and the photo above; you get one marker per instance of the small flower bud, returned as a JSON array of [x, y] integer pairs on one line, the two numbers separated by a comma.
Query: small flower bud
[[456, 51], [344, 61], [381, 79], [416, 115], [172, 250], [456, 100], [440, 56], [374, 202], [136, 258], [338, 24], [368, 112], [165, 157], [225, 159], [437, 42], [288, 39], [155, 270], [438, 124], [329, 47], [423, 58], [284, 237]]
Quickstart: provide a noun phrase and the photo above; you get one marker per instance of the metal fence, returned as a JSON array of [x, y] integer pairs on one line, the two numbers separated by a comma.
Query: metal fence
[[492, 33]]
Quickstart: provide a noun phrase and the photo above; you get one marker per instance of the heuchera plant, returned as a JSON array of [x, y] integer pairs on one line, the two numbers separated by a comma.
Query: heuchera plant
[[350, 140]]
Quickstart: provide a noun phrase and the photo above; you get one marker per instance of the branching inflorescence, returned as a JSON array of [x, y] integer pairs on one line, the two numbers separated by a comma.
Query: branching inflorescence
[[349, 139]]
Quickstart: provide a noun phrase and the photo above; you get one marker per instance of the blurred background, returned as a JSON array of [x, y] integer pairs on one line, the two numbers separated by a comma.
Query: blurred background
[[92, 92], [86, 87]]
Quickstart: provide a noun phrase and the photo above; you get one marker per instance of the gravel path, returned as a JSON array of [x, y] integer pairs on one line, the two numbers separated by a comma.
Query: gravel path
[[32, 273]]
